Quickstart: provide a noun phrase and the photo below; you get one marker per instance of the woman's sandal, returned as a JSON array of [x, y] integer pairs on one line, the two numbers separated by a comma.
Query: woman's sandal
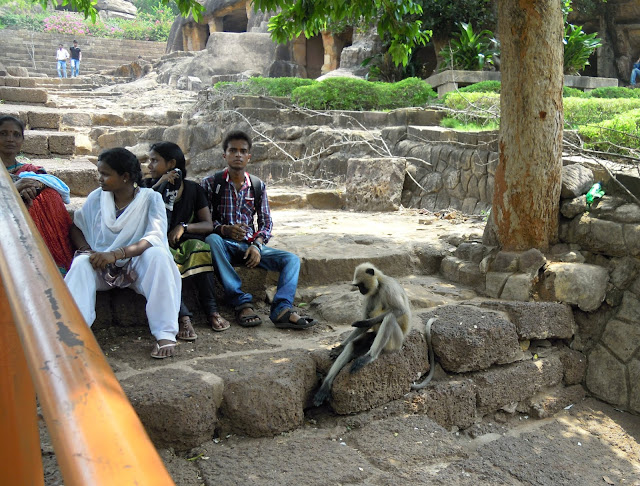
[[157, 348], [185, 326], [248, 320], [216, 318], [303, 322]]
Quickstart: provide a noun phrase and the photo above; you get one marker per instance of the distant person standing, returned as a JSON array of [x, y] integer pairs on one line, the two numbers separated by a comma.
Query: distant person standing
[[61, 56], [76, 57], [635, 71]]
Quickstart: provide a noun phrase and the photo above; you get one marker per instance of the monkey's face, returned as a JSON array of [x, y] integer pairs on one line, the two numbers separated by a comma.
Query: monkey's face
[[362, 288], [364, 279]]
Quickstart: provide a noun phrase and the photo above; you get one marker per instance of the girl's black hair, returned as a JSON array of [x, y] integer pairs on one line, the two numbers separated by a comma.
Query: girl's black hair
[[171, 151], [122, 160], [13, 119]]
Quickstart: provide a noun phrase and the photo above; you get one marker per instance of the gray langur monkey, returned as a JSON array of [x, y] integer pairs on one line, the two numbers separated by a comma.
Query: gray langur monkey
[[386, 312]]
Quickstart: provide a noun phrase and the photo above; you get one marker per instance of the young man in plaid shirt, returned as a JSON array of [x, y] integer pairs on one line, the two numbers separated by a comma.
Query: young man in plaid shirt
[[235, 198]]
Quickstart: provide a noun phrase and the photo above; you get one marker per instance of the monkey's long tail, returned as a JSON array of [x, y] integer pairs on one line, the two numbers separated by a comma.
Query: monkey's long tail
[[432, 358]]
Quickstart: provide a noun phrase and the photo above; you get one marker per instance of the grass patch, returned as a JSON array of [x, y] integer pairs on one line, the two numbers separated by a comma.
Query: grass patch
[[450, 122]]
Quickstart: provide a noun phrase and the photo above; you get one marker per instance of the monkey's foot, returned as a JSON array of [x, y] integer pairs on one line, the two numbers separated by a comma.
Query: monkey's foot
[[360, 363], [321, 396]]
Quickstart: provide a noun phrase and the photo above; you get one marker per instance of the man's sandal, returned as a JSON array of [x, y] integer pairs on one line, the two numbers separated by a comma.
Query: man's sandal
[[157, 348], [186, 331], [303, 322], [216, 318], [248, 320]]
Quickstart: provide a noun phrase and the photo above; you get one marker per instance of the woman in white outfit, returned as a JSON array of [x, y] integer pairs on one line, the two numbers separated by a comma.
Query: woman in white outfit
[[121, 236]]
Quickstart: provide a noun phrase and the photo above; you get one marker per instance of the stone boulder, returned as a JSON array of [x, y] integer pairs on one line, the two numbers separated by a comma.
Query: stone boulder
[[466, 338], [177, 407], [537, 320], [375, 184], [124, 9], [506, 385], [386, 379], [450, 403], [576, 181], [606, 377], [579, 284], [264, 395]]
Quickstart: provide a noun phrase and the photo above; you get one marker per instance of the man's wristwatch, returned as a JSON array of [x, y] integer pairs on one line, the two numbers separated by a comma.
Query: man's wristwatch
[[184, 226], [258, 245]]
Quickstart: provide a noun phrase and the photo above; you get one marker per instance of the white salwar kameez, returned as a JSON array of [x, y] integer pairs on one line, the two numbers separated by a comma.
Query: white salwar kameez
[[158, 277]]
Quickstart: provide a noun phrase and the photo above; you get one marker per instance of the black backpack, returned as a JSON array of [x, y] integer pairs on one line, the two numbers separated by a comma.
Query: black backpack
[[219, 184]]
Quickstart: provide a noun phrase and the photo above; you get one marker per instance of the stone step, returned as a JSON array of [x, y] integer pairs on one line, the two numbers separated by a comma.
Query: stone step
[[79, 173], [21, 47]]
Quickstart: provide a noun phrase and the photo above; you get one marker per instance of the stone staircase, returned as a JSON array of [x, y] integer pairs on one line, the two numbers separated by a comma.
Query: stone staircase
[[259, 381], [35, 51]]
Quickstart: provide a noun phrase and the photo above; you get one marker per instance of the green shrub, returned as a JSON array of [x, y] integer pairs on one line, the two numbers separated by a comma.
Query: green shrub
[[614, 92], [276, 86], [478, 108], [583, 111], [620, 134], [33, 22], [482, 87], [568, 92], [338, 94], [450, 122], [408, 92], [469, 50]]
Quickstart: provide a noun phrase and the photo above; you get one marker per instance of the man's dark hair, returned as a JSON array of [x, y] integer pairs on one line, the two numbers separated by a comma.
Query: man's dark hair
[[121, 160], [75, 41], [13, 119], [171, 151], [236, 135]]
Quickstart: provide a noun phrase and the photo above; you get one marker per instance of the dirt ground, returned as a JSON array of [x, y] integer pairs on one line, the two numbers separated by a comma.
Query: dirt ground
[[589, 444]]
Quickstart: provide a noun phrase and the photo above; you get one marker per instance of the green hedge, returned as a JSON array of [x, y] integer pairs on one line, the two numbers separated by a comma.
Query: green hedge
[[614, 92], [482, 87], [582, 111], [621, 134], [360, 95]]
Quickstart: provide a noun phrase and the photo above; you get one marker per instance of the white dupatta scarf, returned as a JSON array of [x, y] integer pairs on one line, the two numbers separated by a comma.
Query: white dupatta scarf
[[144, 218]]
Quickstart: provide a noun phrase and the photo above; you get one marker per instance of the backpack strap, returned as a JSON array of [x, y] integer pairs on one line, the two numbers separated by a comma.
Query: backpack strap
[[220, 184]]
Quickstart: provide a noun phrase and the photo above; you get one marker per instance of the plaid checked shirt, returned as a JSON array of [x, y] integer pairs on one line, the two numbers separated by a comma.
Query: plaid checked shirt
[[238, 206]]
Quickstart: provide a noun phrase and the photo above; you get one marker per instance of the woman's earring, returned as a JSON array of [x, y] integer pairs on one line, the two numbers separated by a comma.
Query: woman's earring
[[125, 181]]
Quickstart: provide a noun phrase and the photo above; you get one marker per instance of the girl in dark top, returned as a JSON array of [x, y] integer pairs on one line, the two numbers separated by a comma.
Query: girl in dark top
[[188, 223]]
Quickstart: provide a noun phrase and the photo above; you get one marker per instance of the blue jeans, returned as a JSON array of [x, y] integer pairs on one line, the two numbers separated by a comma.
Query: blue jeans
[[634, 73], [62, 68], [226, 252], [75, 67]]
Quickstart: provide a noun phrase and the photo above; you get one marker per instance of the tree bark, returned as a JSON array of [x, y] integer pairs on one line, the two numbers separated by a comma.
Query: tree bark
[[529, 174]]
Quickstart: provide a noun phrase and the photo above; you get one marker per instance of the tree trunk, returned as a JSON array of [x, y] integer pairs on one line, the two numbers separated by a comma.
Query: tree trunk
[[528, 178]]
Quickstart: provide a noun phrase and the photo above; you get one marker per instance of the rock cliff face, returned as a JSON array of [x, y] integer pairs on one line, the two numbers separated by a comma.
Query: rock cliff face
[[618, 25]]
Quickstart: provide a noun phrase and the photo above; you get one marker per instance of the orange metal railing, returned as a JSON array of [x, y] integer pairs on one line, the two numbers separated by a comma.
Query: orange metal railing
[[47, 349]]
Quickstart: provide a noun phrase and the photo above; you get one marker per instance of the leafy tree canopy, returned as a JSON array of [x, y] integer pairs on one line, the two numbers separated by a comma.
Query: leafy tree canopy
[[443, 16], [397, 21], [87, 7]]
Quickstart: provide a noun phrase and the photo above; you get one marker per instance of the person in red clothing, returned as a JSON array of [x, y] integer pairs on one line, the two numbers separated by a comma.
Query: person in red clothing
[[41, 194]]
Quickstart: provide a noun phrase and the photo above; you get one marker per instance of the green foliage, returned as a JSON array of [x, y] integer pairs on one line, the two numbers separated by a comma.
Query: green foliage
[[479, 108], [454, 123], [31, 21], [153, 27], [442, 17], [396, 21], [573, 93], [359, 95], [338, 94], [621, 134], [470, 51], [276, 86], [584, 111], [87, 7], [408, 92], [482, 87], [578, 45], [614, 92]]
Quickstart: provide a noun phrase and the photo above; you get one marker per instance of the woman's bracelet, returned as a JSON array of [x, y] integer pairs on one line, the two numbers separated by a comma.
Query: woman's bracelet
[[84, 248], [122, 250]]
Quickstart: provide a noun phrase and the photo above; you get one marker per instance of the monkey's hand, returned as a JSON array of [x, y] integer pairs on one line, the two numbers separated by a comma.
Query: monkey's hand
[[364, 324], [335, 352], [360, 363]]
